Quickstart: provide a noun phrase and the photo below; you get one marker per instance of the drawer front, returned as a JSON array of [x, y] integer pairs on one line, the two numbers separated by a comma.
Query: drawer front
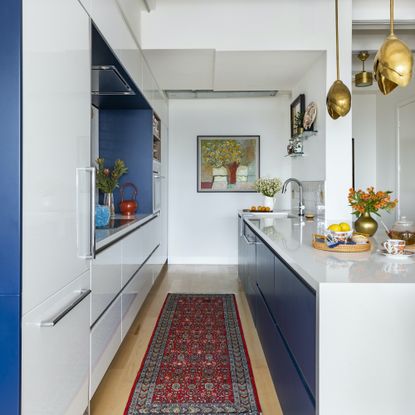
[[294, 310], [132, 254], [134, 295], [151, 236], [55, 359], [292, 393], [265, 271], [105, 341], [105, 279]]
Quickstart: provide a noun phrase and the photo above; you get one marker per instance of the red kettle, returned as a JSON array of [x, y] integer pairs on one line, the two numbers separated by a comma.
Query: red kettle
[[128, 207]]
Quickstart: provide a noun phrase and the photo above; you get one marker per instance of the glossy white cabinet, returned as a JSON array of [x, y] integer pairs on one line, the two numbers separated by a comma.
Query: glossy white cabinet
[[55, 358], [56, 143], [164, 192], [105, 341], [149, 84], [134, 295], [106, 274], [132, 254], [110, 21]]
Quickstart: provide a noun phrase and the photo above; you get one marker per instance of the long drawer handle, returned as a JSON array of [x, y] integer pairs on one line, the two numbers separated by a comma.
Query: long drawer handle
[[248, 241], [52, 322]]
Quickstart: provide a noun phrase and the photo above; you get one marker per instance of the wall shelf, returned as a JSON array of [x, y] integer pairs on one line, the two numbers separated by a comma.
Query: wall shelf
[[304, 135], [295, 155]]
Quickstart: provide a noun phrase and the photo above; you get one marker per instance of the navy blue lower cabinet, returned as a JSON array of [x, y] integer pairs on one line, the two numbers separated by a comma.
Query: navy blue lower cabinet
[[265, 271], [292, 393], [242, 254], [294, 310], [247, 257]]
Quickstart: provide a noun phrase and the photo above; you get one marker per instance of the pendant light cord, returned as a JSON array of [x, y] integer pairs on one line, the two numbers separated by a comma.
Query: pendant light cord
[[392, 17], [337, 39]]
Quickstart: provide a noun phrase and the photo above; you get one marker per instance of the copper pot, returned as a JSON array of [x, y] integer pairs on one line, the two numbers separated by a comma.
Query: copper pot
[[128, 207]]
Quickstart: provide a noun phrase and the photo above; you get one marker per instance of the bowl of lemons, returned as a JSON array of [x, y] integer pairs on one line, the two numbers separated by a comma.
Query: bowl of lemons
[[340, 232]]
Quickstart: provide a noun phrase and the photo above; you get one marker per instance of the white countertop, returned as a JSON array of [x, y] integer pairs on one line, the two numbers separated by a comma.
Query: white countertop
[[291, 240], [105, 236]]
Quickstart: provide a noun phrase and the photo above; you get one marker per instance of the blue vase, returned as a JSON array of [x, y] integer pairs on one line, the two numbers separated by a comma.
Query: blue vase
[[102, 216]]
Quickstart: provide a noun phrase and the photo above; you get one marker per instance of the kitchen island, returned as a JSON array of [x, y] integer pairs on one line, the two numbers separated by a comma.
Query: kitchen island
[[337, 329]]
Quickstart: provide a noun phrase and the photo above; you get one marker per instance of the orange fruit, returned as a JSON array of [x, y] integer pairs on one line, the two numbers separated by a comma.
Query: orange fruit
[[253, 208]]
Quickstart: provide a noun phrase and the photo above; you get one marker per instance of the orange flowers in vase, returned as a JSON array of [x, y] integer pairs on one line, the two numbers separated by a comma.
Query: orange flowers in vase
[[365, 203]]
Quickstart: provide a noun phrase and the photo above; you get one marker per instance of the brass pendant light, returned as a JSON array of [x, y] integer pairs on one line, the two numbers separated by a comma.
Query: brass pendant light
[[339, 99], [393, 62], [363, 78]]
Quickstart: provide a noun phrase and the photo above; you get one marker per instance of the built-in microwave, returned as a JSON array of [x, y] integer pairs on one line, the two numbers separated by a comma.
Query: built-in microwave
[[156, 187]]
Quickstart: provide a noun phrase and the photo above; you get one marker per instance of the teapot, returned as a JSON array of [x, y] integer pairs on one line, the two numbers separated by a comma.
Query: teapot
[[403, 229], [128, 207]]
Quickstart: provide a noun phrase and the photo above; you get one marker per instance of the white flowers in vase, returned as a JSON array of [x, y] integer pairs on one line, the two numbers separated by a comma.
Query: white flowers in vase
[[268, 187]]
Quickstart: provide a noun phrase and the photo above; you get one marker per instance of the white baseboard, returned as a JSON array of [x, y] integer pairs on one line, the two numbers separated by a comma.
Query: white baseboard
[[202, 260]]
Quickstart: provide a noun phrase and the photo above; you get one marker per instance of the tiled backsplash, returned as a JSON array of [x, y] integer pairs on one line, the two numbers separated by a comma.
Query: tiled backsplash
[[314, 197]]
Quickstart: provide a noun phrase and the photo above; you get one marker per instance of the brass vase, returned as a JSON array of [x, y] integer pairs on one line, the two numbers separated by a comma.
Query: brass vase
[[366, 224]]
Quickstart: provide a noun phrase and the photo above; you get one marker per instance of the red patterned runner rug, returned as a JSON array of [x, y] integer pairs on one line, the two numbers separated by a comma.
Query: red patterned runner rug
[[196, 362]]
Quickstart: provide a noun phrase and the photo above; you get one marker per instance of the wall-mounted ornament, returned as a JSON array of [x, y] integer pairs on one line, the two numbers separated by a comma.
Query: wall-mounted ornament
[[394, 61], [363, 78], [310, 116], [339, 99]]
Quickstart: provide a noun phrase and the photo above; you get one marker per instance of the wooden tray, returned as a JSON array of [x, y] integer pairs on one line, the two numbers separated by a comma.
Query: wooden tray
[[339, 248]]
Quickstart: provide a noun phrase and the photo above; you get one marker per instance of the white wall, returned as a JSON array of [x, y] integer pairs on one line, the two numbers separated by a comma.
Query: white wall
[[386, 127], [375, 129], [203, 226], [269, 25], [364, 133], [313, 165], [368, 10]]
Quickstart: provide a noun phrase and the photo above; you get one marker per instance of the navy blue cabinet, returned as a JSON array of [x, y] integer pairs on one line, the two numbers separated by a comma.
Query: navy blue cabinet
[[265, 272], [284, 311], [293, 396], [294, 309], [247, 261]]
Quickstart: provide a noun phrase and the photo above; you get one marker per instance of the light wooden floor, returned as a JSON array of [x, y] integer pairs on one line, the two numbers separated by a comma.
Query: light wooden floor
[[112, 394]]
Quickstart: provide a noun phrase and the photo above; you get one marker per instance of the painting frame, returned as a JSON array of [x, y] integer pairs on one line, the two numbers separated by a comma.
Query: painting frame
[[199, 184], [298, 105]]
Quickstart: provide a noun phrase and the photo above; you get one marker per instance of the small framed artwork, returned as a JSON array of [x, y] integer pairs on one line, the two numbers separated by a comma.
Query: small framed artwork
[[297, 110], [227, 163]]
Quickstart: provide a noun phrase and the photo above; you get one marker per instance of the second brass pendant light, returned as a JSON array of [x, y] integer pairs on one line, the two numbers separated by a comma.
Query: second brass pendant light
[[339, 99], [393, 62]]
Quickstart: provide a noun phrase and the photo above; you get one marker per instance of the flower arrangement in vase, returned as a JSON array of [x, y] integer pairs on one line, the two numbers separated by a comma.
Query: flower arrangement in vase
[[107, 180], [268, 187], [365, 203]]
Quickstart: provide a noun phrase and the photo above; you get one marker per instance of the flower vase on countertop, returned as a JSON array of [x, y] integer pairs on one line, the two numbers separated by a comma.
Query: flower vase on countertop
[[109, 202], [366, 224], [269, 202]]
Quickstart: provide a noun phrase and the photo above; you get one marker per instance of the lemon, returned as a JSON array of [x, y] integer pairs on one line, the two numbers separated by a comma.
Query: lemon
[[345, 227], [335, 228]]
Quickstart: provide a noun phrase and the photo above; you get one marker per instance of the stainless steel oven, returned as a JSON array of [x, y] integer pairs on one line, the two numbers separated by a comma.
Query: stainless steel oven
[[157, 177]]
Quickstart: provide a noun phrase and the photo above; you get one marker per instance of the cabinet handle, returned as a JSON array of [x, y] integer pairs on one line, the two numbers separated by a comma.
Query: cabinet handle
[[248, 241], [91, 232], [92, 242], [52, 322]]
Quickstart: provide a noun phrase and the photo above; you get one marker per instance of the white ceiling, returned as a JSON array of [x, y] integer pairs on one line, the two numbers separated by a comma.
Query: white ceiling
[[208, 69]]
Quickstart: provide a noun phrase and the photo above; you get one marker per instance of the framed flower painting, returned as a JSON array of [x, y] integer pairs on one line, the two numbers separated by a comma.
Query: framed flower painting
[[227, 163]]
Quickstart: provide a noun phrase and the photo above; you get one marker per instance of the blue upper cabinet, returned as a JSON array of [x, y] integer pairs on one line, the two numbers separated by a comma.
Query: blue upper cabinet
[[10, 145], [10, 206]]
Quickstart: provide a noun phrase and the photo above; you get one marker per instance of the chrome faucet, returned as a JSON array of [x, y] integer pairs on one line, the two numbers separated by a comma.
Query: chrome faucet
[[301, 206]]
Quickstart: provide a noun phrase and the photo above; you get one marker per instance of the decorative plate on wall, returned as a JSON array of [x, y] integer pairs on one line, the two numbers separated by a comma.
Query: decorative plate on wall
[[310, 116]]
